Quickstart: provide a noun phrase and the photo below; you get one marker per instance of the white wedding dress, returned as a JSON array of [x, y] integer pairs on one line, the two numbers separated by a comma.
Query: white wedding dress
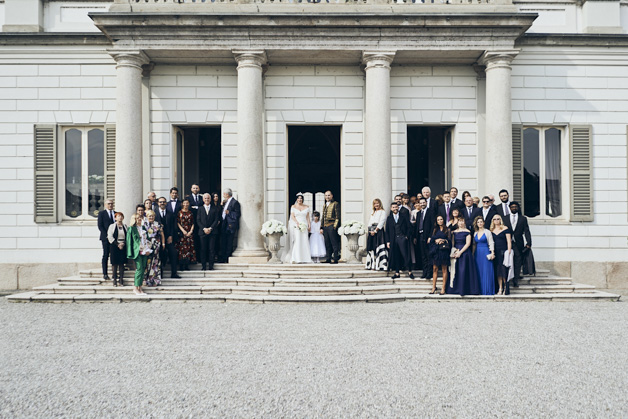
[[297, 244]]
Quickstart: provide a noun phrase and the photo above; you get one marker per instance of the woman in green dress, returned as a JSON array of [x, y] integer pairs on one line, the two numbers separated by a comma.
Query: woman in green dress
[[138, 249]]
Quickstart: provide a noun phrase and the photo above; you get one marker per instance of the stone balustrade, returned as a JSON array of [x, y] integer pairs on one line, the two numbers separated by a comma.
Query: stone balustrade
[[350, 2]]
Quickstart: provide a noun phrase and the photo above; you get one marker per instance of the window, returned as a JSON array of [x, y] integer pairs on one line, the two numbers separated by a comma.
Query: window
[[543, 172], [84, 174]]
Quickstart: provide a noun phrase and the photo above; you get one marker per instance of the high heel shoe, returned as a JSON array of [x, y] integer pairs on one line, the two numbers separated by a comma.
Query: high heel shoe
[[433, 291]]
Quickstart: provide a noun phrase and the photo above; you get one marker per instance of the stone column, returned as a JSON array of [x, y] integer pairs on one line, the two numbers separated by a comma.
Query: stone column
[[250, 169], [498, 139], [129, 175], [377, 149]]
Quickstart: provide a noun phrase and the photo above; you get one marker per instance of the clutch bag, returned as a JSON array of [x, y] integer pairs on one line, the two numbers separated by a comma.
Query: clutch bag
[[372, 227]]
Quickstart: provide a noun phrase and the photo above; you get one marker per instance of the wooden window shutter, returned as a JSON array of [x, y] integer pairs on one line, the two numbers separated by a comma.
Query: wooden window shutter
[[517, 164], [581, 169], [45, 191], [110, 161]]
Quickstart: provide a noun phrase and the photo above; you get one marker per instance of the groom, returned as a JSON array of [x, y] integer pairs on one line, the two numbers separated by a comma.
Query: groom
[[330, 222]]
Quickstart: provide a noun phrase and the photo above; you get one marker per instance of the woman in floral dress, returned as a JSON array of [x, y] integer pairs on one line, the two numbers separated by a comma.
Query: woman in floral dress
[[155, 236], [185, 245]]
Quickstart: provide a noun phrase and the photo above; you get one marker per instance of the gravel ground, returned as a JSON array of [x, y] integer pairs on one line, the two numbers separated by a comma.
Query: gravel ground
[[464, 359]]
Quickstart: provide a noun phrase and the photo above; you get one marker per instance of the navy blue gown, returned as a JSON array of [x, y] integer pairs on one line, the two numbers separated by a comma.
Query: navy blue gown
[[466, 281]]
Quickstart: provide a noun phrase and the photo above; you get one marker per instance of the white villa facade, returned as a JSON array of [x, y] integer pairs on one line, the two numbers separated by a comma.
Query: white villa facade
[[103, 99]]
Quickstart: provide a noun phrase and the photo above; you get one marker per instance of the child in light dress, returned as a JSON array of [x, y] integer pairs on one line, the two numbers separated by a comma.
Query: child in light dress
[[317, 241]]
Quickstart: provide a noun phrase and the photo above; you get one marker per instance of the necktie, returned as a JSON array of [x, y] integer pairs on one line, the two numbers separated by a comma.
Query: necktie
[[469, 209], [421, 221], [111, 215], [447, 212], [506, 210], [162, 214]]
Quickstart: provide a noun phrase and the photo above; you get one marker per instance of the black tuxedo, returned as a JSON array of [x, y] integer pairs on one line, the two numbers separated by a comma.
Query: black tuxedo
[[433, 206], [404, 211], [499, 208], [228, 229], [207, 219], [521, 230], [457, 204], [475, 212], [177, 207], [422, 231], [489, 216], [104, 221], [398, 235], [198, 202], [171, 230]]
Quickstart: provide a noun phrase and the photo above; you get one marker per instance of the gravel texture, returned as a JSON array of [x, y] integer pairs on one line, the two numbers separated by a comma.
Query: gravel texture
[[464, 359]]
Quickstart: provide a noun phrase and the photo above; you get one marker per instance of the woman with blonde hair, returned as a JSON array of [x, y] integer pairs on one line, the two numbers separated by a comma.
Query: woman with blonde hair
[[138, 249], [376, 252], [484, 255], [503, 247]]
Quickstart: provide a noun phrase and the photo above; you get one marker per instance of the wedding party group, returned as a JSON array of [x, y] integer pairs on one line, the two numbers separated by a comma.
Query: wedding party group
[[175, 231], [478, 246]]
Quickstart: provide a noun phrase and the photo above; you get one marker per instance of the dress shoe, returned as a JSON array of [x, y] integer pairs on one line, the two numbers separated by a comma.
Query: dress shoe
[[411, 275], [395, 276], [175, 276], [334, 262], [105, 277], [326, 261], [203, 268]]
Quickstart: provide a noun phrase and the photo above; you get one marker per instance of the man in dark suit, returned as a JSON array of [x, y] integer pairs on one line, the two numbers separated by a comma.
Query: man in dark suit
[[518, 225], [170, 227], [207, 223], [430, 203], [398, 233], [402, 210], [455, 201], [503, 208], [174, 206], [106, 217], [423, 229], [230, 224], [488, 211], [445, 209], [470, 212]]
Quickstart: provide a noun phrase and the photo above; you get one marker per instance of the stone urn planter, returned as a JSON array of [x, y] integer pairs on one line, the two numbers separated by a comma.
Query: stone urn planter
[[353, 247], [273, 230], [274, 245], [352, 230]]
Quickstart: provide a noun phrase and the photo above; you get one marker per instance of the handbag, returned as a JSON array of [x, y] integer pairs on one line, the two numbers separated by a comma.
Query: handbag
[[444, 245], [372, 227]]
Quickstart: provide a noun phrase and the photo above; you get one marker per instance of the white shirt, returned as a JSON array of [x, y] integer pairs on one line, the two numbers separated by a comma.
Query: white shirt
[[379, 218], [396, 217], [506, 208], [513, 220], [224, 214], [327, 203], [469, 209], [174, 205], [428, 203], [163, 213], [207, 209], [485, 212]]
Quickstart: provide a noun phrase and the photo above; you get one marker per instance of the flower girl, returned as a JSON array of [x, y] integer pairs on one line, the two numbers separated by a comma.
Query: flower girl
[[317, 242]]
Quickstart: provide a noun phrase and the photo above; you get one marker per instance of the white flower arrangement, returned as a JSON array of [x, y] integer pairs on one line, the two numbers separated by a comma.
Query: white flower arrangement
[[272, 227], [302, 227], [352, 227]]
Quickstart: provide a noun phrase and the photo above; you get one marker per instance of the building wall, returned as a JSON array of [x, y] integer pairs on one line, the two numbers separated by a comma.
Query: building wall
[[553, 87]]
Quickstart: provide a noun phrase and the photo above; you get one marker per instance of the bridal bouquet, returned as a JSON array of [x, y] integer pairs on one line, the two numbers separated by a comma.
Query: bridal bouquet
[[272, 227], [352, 227], [302, 227]]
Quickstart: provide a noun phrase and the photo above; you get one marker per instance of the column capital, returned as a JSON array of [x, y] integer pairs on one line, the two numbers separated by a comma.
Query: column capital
[[377, 59], [250, 58], [498, 59], [129, 58]]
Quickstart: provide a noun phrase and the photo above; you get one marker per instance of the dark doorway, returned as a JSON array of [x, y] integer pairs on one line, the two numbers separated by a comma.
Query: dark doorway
[[198, 159], [313, 161], [429, 159]]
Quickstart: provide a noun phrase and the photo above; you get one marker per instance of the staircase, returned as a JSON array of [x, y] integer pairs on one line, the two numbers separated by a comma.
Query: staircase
[[313, 283]]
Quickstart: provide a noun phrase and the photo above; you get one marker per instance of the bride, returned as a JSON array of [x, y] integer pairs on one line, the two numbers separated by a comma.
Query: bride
[[298, 245]]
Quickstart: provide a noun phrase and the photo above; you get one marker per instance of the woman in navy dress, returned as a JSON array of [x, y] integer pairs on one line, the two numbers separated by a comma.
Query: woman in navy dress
[[484, 255], [501, 238], [466, 275], [440, 249]]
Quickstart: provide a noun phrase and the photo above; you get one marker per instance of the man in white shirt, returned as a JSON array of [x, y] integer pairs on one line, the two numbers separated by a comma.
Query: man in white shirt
[[229, 224], [521, 237], [106, 217], [431, 204], [503, 208], [455, 201], [488, 211]]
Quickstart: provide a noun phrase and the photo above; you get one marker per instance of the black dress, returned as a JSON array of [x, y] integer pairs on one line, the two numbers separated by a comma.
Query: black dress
[[117, 255], [438, 256], [501, 271]]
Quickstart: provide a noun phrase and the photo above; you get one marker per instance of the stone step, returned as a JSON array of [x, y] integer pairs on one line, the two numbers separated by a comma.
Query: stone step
[[39, 296], [96, 274]]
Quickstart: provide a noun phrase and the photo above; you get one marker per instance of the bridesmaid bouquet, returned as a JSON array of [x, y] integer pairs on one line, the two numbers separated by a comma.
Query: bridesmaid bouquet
[[272, 227], [352, 227]]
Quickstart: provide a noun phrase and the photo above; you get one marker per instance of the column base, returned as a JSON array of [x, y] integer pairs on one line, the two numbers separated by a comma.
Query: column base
[[249, 256]]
